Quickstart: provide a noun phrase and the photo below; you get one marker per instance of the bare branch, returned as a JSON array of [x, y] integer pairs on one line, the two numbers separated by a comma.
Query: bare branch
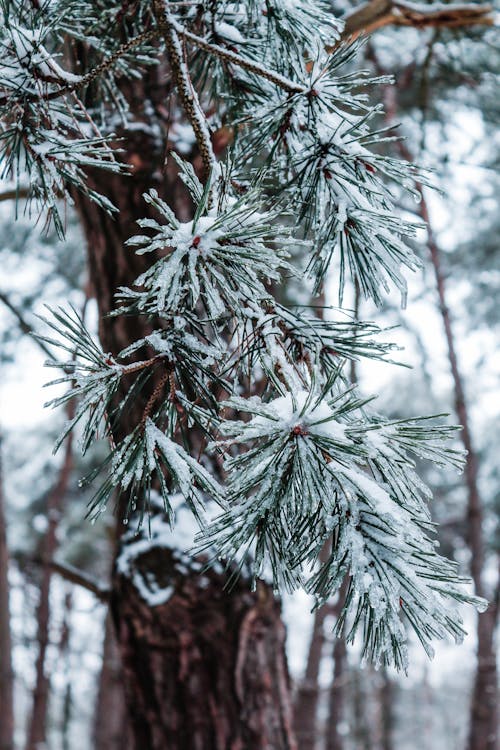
[[24, 325], [14, 194], [376, 14], [80, 578], [187, 94]]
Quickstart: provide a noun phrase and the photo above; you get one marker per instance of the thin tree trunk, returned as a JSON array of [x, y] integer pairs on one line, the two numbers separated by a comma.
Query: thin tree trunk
[[36, 736], [483, 731], [6, 671], [64, 643], [483, 724], [306, 702], [360, 731], [336, 696], [111, 719], [386, 698], [207, 670]]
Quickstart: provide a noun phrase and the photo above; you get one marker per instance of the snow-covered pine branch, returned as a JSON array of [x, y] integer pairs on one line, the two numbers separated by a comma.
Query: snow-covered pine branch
[[299, 187]]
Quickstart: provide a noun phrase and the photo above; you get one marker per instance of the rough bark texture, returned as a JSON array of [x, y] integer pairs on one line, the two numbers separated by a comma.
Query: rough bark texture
[[206, 671], [6, 672]]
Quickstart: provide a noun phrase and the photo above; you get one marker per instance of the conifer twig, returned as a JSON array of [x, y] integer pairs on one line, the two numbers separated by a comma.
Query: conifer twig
[[187, 94], [253, 67], [85, 80]]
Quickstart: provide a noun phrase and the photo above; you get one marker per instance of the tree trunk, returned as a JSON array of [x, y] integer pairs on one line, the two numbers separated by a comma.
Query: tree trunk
[[483, 727], [483, 731], [336, 697], [206, 671], [6, 672], [306, 702], [36, 737], [386, 699], [111, 719]]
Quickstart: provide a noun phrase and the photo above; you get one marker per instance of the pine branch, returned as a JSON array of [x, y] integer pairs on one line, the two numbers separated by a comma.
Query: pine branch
[[92, 75]]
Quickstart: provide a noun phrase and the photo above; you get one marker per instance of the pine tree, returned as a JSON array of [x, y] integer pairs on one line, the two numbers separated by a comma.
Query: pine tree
[[231, 424]]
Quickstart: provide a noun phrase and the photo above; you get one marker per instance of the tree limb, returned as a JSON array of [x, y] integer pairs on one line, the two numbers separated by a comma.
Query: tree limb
[[376, 14], [14, 194], [79, 578], [24, 325]]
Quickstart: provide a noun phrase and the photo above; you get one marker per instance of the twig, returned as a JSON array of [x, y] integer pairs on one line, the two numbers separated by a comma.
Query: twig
[[89, 77], [24, 325], [224, 54], [14, 194], [187, 94]]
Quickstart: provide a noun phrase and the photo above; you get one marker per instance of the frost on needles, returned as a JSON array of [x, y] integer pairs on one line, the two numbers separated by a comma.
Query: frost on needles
[[248, 414]]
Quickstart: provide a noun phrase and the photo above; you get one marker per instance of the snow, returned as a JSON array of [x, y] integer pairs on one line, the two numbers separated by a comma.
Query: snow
[[159, 535], [299, 409], [228, 31]]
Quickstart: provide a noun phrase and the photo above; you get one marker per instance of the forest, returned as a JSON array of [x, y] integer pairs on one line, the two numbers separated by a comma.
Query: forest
[[249, 375]]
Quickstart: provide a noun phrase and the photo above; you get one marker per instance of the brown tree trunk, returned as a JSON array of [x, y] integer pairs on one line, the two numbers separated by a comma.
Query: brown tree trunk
[[36, 736], [6, 671], [483, 726], [483, 729], [111, 718], [336, 697], [306, 702], [65, 668], [207, 670]]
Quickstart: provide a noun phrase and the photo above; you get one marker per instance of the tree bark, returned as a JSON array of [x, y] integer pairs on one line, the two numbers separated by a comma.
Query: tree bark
[[206, 671], [6, 671]]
